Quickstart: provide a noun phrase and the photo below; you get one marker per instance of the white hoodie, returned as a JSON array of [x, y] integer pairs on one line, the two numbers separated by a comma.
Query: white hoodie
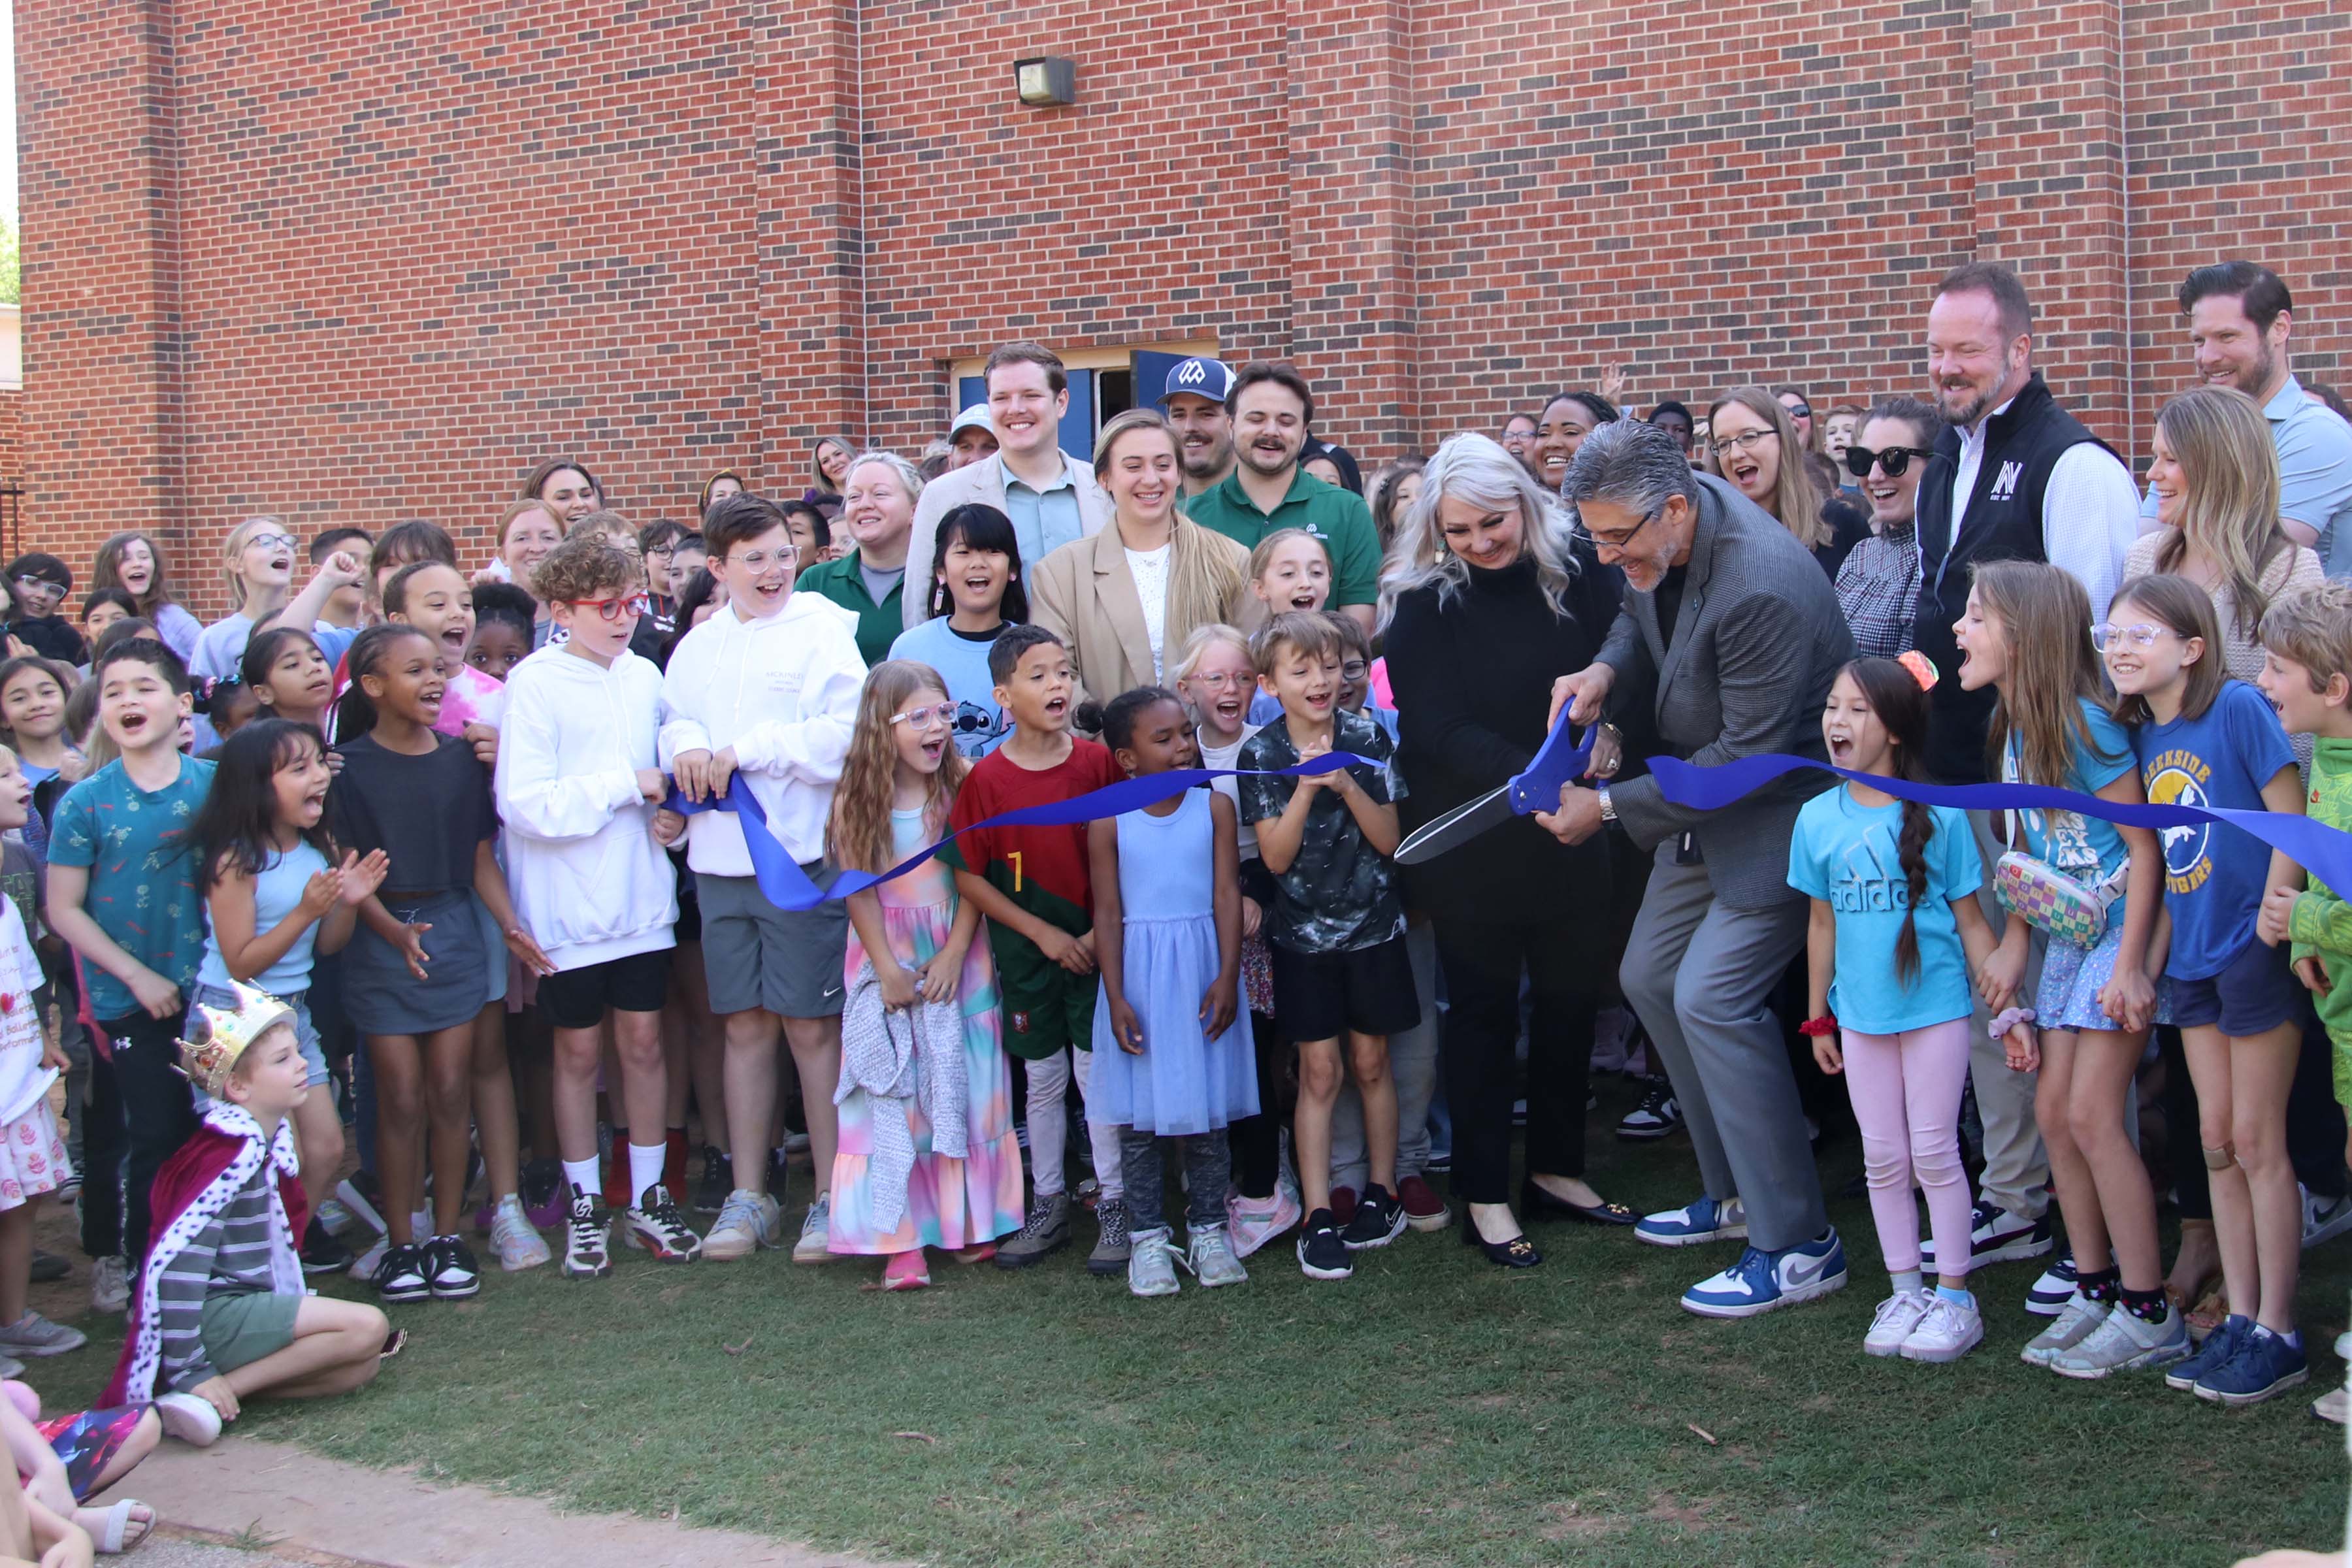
[[783, 693], [589, 882]]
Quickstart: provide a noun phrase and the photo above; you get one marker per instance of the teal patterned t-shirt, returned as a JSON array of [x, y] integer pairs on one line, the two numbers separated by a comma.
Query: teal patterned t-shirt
[[143, 873]]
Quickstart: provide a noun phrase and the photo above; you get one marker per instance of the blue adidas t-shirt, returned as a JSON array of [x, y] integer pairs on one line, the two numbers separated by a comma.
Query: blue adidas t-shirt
[[962, 661], [1848, 855], [2213, 875]]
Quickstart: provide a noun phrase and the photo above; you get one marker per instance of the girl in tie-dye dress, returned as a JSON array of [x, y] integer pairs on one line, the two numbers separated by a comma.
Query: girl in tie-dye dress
[[897, 785]]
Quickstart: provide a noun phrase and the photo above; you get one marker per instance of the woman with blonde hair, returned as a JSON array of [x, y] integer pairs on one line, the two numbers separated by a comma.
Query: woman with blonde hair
[[258, 563], [2215, 477], [829, 461], [1754, 445], [1124, 601]]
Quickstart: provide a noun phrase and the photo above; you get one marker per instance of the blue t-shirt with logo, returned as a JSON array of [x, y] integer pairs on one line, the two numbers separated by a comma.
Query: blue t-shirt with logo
[[1848, 855], [2087, 848], [962, 661], [2213, 875]]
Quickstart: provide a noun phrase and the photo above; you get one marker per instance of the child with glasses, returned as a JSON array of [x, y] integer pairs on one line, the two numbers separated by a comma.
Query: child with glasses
[[258, 563], [39, 583], [578, 791]]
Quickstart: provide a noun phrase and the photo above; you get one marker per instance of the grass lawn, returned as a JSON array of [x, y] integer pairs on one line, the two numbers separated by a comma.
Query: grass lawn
[[1431, 1410]]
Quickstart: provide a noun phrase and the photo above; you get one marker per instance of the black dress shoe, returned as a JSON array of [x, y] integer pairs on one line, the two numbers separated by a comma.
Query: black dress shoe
[[1537, 1204], [1516, 1253]]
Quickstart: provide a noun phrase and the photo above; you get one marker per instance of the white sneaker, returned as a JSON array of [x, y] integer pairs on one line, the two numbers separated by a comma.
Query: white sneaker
[[364, 1266], [2125, 1343], [1209, 1253], [2074, 1322], [1897, 1316], [192, 1420], [816, 1232], [747, 1222], [109, 1285], [2324, 1219], [519, 1245], [1151, 1263], [1947, 1332]]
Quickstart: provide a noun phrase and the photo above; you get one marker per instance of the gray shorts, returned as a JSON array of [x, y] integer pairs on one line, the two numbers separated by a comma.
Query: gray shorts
[[758, 955]]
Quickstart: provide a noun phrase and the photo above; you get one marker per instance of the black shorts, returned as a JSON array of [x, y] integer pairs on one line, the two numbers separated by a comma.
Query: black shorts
[[1322, 996], [576, 998], [2254, 994]]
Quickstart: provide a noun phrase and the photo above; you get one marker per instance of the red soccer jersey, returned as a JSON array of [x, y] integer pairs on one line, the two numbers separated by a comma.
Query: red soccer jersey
[[1043, 869]]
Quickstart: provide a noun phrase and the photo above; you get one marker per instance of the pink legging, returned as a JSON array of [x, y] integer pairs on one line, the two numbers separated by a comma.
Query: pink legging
[[1907, 1097]]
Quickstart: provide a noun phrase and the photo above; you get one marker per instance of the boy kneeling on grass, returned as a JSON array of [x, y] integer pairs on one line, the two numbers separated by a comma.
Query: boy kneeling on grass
[[221, 1313]]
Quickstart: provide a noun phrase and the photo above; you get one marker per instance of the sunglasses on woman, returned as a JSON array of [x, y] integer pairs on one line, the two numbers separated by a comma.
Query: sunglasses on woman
[[1859, 460]]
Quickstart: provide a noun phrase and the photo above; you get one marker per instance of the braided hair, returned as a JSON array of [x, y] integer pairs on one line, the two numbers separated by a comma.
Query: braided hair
[[1896, 696]]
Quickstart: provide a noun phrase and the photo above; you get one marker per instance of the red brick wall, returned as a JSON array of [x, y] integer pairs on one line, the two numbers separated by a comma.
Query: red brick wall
[[365, 265]]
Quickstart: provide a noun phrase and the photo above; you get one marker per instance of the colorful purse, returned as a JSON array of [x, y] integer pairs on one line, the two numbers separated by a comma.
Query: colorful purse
[[2071, 911]]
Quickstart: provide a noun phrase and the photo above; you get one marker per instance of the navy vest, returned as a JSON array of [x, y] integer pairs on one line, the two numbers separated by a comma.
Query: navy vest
[[2002, 523]]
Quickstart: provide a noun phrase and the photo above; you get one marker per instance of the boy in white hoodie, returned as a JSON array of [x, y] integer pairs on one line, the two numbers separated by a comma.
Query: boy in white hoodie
[[578, 789], [767, 687]]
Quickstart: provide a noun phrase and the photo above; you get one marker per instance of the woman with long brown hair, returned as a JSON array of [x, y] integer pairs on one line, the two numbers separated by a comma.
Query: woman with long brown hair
[[1125, 600], [1755, 445]]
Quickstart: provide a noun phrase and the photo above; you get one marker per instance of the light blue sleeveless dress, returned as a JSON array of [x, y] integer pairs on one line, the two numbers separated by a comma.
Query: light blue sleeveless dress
[[1181, 1084]]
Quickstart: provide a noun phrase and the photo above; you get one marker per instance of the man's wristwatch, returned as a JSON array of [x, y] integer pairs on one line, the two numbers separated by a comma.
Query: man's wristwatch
[[1608, 807]]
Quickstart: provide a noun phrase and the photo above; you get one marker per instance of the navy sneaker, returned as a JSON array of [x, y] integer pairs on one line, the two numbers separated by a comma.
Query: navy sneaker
[[2212, 1355], [1997, 1236], [1704, 1220], [1322, 1255], [2265, 1364], [2048, 1295], [1379, 1219], [1762, 1281]]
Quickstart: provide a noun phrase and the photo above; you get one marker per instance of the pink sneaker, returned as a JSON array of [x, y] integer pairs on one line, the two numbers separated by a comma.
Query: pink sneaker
[[906, 1271], [1254, 1222]]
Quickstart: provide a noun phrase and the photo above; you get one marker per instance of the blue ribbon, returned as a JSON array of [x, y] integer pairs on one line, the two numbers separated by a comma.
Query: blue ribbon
[[2323, 851], [787, 887]]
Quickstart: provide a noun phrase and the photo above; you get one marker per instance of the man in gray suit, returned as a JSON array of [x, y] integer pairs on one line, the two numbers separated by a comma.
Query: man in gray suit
[[1731, 634]]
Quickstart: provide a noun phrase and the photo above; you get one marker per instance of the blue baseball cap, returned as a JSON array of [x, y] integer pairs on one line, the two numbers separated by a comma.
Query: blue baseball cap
[[1206, 378]]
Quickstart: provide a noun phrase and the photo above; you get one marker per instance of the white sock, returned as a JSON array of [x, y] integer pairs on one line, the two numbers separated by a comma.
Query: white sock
[[584, 1176], [645, 1168]]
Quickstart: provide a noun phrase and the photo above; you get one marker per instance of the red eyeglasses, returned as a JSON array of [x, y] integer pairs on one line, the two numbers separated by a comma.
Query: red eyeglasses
[[615, 610]]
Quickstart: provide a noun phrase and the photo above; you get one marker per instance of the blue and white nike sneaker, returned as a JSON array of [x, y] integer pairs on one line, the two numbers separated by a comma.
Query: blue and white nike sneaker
[[1704, 1220], [1762, 1281]]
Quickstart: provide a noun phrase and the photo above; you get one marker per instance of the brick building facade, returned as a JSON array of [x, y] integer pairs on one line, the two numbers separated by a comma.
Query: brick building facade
[[371, 262]]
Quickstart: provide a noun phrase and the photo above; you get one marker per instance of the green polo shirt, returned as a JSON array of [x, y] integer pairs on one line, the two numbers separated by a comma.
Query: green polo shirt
[[878, 626], [1337, 516]]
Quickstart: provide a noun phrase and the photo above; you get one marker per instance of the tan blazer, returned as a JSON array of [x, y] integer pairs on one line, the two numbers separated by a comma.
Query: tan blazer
[[1083, 593]]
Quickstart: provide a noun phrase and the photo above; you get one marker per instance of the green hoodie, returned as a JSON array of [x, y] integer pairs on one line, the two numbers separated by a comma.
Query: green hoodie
[[2322, 922]]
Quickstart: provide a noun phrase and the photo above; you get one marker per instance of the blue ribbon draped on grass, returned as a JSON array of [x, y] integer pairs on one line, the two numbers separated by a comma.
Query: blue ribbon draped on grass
[[2325, 852], [788, 887]]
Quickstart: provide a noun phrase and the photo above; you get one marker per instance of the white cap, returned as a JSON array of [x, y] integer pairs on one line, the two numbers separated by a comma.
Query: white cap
[[973, 419]]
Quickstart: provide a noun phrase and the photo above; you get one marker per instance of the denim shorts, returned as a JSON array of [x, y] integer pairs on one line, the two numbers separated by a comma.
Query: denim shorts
[[2255, 994], [314, 1054]]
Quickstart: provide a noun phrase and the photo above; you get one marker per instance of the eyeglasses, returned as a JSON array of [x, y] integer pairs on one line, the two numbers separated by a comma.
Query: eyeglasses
[[938, 716], [271, 541], [663, 550], [1354, 669], [36, 588], [617, 610], [2143, 636], [1614, 541], [759, 560], [1746, 442], [1217, 681], [1894, 459]]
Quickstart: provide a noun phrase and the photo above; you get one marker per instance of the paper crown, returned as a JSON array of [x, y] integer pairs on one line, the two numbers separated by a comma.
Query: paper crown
[[224, 1034]]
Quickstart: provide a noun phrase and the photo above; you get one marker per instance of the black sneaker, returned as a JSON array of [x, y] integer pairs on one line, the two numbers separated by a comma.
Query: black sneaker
[[1322, 1255], [401, 1275], [450, 1269], [1379, 1219], [1657, 1116], [321, 1252], [718, 1181]]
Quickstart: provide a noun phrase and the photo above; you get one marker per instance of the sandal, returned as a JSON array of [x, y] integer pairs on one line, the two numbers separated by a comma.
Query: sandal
[[118, 1528]]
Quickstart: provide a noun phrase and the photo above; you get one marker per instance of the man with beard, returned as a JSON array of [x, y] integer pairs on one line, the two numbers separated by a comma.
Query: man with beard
[[1267, 490], [1195, 405], [2239, 317], [2014, 478]]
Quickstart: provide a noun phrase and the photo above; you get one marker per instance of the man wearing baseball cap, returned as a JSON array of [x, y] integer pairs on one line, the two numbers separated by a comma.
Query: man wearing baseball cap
[[1195, 404], [971, 437]]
